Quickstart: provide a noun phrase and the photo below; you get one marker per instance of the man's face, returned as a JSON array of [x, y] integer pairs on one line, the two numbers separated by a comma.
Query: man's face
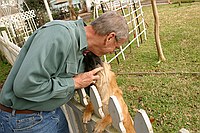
[[110, 44]]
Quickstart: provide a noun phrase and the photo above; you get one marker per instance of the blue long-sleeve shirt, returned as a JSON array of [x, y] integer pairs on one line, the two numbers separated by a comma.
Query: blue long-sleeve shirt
[[41, 78]]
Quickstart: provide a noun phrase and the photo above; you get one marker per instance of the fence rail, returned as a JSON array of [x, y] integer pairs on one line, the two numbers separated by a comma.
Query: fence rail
[[19, 26], [75, 108]]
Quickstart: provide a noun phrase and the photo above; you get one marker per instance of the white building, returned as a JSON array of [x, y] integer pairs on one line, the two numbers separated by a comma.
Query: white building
[[56, 4]]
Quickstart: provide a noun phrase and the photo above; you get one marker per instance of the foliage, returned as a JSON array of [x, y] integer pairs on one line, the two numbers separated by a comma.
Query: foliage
[[56, 14], [4, 69], [40, 10], [35, 4]]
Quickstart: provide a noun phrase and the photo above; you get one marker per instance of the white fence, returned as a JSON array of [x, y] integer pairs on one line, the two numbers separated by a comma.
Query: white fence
[[15, 29], [19, 26], [76, 106]]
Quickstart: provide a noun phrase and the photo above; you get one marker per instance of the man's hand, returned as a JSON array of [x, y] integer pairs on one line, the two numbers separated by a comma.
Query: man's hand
[[83, 80]]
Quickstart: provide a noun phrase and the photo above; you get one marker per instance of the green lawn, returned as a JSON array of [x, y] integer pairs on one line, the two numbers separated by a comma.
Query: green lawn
[[4, 70], [171, 98]]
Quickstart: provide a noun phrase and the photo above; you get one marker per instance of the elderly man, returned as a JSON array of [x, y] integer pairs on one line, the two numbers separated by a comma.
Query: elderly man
[[50, 68]]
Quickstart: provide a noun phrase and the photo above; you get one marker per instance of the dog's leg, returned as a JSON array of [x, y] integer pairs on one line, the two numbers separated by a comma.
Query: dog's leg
[[102, 124], [128, 124], [87, 114]]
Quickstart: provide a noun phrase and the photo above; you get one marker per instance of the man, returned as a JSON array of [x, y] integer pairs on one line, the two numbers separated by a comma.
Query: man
[[50, 68]]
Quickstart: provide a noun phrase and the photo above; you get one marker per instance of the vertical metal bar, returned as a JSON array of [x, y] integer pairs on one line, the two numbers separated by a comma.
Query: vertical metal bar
[[48, 10]]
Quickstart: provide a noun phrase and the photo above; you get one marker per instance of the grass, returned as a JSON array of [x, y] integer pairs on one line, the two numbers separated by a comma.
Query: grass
[[172, 100], [4, 69]]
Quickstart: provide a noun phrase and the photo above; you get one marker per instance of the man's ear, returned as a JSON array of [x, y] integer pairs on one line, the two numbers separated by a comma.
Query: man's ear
[[111, 35]]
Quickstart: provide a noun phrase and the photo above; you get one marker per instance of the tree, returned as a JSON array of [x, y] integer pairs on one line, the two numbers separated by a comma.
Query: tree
[[156, 31], [40, 11], [73, 14]]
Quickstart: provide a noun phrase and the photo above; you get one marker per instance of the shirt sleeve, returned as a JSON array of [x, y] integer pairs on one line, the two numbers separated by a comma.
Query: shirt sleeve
[[38, 78]]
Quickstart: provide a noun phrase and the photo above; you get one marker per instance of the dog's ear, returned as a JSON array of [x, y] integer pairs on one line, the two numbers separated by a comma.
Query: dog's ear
[[106, 66]]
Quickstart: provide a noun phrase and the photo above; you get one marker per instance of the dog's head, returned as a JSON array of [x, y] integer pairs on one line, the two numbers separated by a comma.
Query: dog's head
[[91, 61]]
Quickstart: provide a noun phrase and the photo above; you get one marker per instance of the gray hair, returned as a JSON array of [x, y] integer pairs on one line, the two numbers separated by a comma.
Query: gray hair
[[111, 22]]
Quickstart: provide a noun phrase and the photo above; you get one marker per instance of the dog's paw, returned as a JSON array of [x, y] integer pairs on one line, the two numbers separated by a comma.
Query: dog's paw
[[96, 130], [99, 127], [87, 116]]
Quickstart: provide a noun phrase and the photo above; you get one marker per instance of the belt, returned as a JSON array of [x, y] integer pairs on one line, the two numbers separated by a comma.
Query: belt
[[10, 110]]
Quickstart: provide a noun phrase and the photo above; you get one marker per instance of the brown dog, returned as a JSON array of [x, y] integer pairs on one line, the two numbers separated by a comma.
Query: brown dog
[[107, 86]]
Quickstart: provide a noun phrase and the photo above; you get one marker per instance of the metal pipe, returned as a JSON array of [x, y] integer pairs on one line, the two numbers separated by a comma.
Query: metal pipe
[[48, 10]]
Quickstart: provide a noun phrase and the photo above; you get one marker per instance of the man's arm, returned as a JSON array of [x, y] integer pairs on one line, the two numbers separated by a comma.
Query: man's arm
[[38, 79]]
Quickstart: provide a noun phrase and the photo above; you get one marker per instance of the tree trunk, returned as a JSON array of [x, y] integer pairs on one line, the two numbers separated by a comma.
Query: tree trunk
[[156, 31], [73, 15], [179, 2], [84, 6]]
